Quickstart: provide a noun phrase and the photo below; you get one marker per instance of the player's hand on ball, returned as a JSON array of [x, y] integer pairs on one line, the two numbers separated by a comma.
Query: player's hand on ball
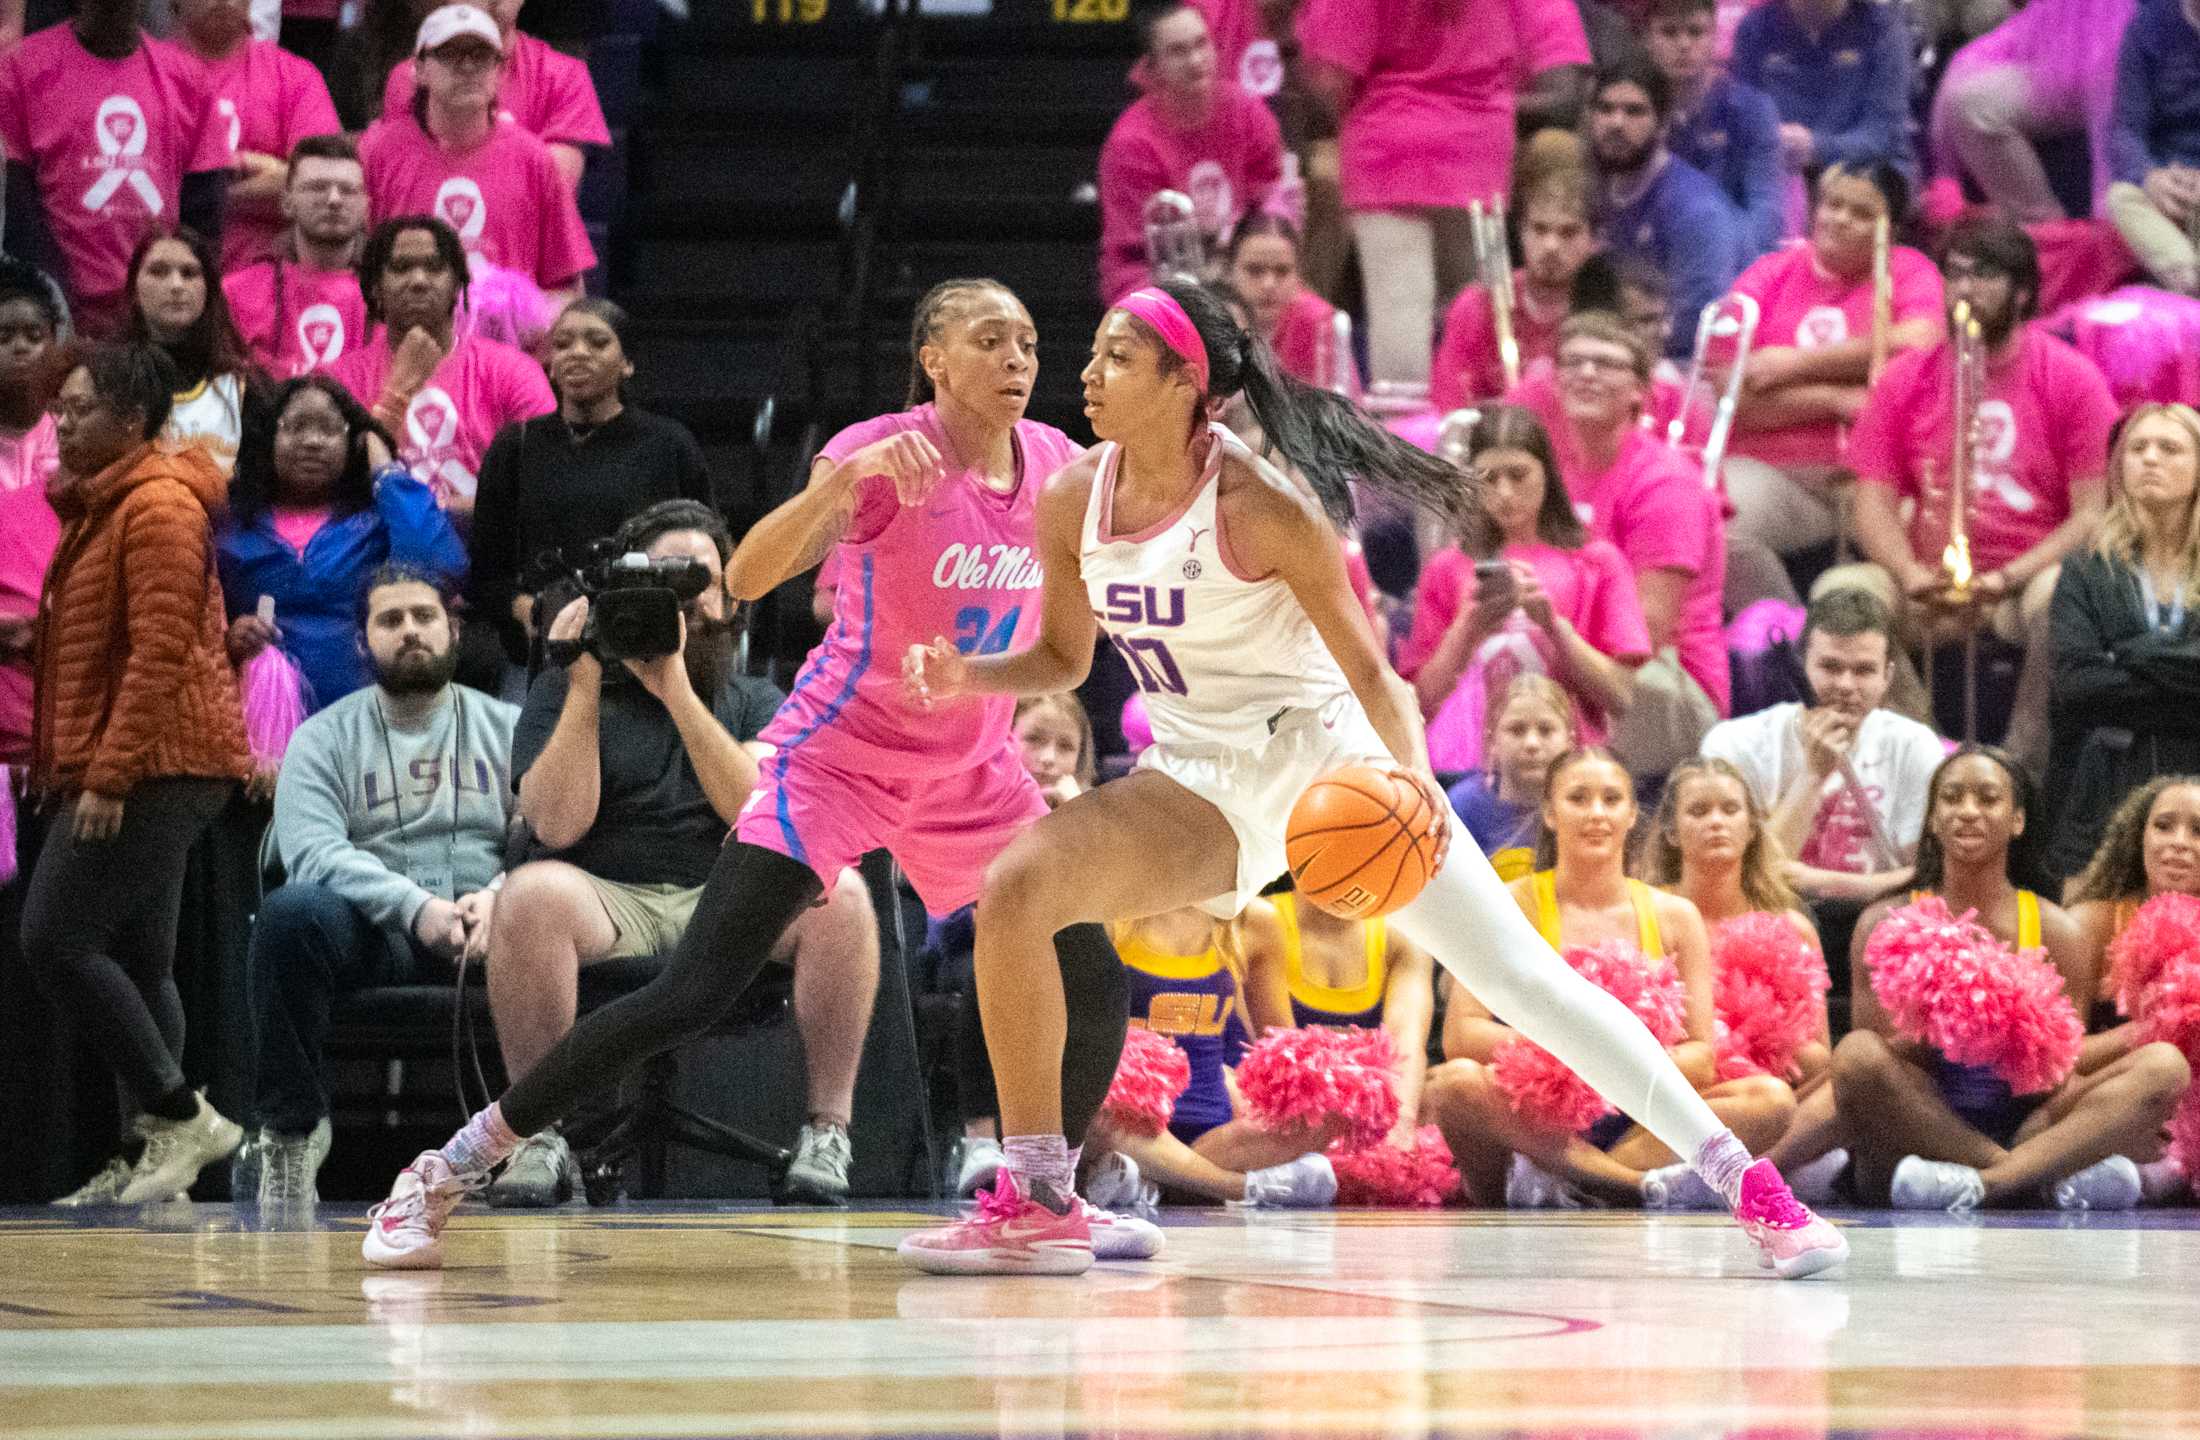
[[1439, 805], [933, 673]]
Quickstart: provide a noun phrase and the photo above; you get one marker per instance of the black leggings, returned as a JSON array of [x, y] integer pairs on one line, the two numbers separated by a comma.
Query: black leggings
[[1097, 991], [752, 897], [99, 927]]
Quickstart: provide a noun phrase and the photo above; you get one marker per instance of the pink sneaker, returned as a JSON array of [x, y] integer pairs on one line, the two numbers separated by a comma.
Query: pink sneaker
[[1790, 1240], [405, 1232], [1006, 1233]]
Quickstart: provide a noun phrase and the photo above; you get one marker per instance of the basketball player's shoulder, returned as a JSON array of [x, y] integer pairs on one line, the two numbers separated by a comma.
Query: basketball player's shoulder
[[1254, 490], [1067, 491]]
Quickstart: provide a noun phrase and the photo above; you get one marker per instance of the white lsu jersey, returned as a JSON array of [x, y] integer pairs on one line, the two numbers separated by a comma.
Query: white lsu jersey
[[1222, 659]]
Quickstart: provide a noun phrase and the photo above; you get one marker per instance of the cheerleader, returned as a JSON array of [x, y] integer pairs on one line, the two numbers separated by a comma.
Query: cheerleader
[[1360, 974], [1187, 982], [1580, 895], [1930, 1134]]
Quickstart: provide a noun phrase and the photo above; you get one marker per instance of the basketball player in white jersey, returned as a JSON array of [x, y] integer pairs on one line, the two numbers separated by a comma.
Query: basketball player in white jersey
[[1221, 581]]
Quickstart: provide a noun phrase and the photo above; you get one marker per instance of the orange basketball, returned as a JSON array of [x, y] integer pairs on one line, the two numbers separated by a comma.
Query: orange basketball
[[1361, 843]]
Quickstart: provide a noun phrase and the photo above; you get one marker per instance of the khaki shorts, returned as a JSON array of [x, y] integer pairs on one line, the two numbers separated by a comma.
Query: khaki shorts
[[648, 919]]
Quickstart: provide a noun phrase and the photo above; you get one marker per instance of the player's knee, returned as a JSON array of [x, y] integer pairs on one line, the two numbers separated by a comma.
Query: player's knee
[[1452, 1090], [1766, 1095], [1024, 889]]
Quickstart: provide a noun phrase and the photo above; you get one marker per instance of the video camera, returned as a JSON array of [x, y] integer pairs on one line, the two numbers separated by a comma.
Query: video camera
[[634, 602]]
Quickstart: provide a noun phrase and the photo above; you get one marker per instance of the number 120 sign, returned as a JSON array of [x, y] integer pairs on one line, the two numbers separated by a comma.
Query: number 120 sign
[[787, 12], [1091, 12]]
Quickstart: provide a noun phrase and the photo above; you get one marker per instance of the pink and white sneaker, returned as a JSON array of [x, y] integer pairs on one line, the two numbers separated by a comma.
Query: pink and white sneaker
[[1121, 1237], [1006, 1233], [405, 1232], [1790, 1240]]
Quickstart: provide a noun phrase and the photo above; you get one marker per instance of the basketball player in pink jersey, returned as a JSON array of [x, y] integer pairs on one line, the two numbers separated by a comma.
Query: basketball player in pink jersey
[[1220, 581], [933, 510]]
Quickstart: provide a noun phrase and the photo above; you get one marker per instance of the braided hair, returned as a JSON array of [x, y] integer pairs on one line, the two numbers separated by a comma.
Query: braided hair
[[940, 307]]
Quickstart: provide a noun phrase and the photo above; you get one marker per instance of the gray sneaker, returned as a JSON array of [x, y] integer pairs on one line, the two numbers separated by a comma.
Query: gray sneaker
[[176, 1151], [105, 1188], [1307, 1183], [819, 1172], [539, 1175], [977, 1159], [288, 1165]]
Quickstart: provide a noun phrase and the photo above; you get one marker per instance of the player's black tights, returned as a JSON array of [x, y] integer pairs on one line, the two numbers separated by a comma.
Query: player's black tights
[[752, 896], [1097, 991]]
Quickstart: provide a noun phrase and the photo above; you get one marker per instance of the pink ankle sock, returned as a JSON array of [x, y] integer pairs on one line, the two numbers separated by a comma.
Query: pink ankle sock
[[482, 1143], [1043, 1158], [1720, 1164]]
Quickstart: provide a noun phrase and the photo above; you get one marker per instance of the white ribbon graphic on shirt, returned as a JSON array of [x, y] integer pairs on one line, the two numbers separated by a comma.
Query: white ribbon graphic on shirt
[[227, 108], [431, 434], [1996, 440], [320, 336], [1260, 68], [458, 200], [1824, 325], [1213, 199], [122, 133]]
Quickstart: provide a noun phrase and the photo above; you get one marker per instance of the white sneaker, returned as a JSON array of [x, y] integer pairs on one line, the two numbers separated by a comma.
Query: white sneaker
[[1122, 1237], [177, 1150], [977, 1161], [1307, 1183], [1677, 1187], [1112, 1182], [289, 1165], [1528, 1186], [105, 1188], [539, 1175], [2111, 1184], [818, 1174], [405, 1232], [1921, 1184], [1814, 1183]]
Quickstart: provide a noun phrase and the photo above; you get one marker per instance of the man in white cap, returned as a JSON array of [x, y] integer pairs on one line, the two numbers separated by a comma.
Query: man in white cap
[[447, 154], [549, 95]]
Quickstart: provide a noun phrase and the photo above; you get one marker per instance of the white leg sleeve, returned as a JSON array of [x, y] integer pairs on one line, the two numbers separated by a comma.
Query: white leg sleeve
[[1471, 925]]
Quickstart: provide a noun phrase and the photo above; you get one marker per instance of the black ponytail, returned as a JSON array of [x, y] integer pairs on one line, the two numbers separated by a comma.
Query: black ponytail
[[1322, 435]]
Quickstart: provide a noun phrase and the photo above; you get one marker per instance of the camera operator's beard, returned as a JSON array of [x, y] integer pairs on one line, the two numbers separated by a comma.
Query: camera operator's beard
[[709, 655], [417, 671]]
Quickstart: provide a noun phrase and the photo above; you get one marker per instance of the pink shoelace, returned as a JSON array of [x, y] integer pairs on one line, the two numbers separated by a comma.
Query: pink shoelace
[[1775, 1205]]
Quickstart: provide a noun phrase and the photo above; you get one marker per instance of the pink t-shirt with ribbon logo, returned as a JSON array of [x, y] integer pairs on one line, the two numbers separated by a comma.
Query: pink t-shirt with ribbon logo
[[111, 141], [504, 197], [481, 387], [265, 100], [308, 322], [1227, 166], [545, 93], [1800, 304]]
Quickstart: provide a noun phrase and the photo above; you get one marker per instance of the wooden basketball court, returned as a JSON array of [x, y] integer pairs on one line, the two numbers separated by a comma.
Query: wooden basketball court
[[190, 1323]]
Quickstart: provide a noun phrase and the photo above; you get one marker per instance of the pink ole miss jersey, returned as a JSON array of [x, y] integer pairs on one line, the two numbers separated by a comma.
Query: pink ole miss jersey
[[965, 564]]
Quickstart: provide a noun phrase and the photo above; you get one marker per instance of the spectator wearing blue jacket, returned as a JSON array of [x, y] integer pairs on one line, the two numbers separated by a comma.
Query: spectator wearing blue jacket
[[1726, 129], [1653, 206], [317, 504], [1838, 71], [2154, 142]]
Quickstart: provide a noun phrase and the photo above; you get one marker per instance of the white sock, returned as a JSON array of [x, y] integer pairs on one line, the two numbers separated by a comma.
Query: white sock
[[1467, 921]]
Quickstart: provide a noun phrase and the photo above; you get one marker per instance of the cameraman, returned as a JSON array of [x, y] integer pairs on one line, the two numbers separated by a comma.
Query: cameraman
[[630, 780]]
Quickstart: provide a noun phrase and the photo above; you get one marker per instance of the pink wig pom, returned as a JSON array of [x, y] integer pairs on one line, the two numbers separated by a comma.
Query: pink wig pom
[[1421, 1177], [1153, 1072], [7, 825], [274, 695], [1770, 993], [2164, 934], [506, 306], [1946, 981], [1319, 1074], [1544, 1090]]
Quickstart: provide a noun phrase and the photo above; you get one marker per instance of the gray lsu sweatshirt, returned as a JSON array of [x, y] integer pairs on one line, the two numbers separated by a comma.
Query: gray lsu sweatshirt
[[389, 817]]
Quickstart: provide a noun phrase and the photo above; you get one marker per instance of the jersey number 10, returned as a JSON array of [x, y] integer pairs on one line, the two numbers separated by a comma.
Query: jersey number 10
[[1151, 664]]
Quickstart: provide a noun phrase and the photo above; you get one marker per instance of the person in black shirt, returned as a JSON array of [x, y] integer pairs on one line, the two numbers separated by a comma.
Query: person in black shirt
[[560, 481], [630, 781]]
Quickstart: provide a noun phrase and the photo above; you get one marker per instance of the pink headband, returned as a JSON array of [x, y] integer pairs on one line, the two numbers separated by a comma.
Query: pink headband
[[1159, 309]]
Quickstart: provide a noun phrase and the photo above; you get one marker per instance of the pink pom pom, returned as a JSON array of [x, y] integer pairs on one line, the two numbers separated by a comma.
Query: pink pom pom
[[1153, 1072], [1946, 981], [274, 695], [1542, 1090], [1137, 726], [7, 825], [1548, 1093], [1319, 1074], [2165, 933], [1770, 992], [506, 306], [1421, 1177]]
